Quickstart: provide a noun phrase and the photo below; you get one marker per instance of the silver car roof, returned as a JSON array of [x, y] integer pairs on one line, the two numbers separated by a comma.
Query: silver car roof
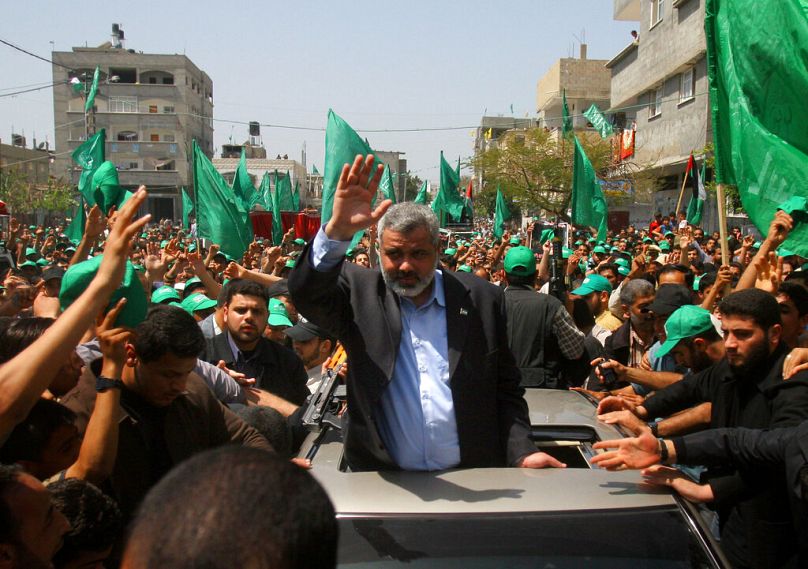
[[493, 490]]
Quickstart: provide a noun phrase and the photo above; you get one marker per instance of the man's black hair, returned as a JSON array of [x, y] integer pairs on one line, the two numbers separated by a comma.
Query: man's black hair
[[19, 334], [753, 303], [168, 329], [271, 424], [246, 287], [96, 522], [608, 267], [670, 268], [9, 523], [706, 280], [798, 295], [281, 515], [29, 437]]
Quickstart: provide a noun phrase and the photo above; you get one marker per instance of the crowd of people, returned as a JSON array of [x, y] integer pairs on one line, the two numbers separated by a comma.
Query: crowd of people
[[143, 367]]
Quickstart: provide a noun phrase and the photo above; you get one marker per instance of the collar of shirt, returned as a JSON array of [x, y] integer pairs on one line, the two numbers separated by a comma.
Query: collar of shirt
[[236, 351]]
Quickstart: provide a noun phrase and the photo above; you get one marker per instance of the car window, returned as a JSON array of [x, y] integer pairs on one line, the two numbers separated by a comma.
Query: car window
[[658, 538]]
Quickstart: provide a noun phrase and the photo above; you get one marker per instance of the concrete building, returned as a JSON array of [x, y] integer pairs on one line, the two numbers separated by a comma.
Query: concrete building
[[491, 128], [33, 163], [585, 81], [257, 166], [398, 168], [151, 105], [660, 82]]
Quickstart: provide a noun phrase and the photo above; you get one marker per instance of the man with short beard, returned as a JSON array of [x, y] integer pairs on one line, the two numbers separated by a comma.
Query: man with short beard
[[431, 381], [746, 390]]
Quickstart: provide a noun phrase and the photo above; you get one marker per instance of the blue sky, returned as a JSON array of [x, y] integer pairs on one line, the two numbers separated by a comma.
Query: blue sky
[[380, 65]]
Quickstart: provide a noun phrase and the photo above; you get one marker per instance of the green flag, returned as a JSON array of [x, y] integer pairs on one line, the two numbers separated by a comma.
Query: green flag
[[107, 191], [501, 214], [265, 192], [588, 203], [342, 144], [448, 201], [296, 197], [218, 216], [601, 124], [566, 120], [695, 207], [89, 156], [88, 104], [187, 209], [277, 219], [243, 187], [423, 193], [386, 185], [314, 170], [758, 81], [283, 191], [75, 231]]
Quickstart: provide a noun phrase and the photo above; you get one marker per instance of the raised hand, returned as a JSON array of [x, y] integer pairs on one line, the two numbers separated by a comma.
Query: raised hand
[[355, 189], [96, 223], [780, 227], [113, 341], [234, 271], [639, 452]]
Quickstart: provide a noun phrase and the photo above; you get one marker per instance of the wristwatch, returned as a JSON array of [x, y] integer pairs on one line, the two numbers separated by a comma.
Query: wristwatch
[[103, 383], [654, 426]]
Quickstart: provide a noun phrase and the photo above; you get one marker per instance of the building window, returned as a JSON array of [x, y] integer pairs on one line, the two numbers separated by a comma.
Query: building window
[[172, 148], [657, 11], [152, 108], [168, 138], [123, 104], [655, 106], [152, 80], [168, 109], [686, 85], [127, 136], [154, 137], [133, 165], [168, 80]]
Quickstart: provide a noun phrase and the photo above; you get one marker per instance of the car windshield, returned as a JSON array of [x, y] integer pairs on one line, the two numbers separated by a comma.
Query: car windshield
[[657, 538]]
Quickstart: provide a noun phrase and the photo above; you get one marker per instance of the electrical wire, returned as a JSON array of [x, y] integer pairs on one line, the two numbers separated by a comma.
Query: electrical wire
[[25, 51], [50, 85]]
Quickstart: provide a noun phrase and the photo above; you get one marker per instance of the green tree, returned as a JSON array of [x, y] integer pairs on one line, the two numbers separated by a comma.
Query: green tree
[[23, 197]]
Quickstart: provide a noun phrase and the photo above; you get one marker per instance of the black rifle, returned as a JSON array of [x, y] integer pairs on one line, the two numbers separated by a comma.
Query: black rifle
[[320, 409], [558, 281]]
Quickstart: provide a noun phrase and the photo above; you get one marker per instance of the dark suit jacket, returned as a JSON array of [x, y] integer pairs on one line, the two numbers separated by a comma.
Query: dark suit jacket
[[283, 372], [355, 305]]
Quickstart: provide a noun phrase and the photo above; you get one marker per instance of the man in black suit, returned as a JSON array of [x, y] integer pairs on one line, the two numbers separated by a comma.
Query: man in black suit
[[242, 347], [431, 381]]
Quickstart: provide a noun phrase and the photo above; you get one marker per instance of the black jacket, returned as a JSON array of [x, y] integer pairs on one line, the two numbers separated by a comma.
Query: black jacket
[[752, 502], [753, 448], [356, 306], [531, 338], [282, 372]]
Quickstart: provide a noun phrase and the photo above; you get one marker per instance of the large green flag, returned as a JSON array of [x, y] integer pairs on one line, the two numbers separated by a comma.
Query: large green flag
[[243, 187], [386, 185], [218, 216], [601, 124], [296, 196], [758, 82], [283, 192], [588, 203], [502, 213], [265, 193], [90, 155], [423, 193], [75, 231], [342, 144], [187, 209], [448, 202], [88, 104], [566, 120], [107, 191]]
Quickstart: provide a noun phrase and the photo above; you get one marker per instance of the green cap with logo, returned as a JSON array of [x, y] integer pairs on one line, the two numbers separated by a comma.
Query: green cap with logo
[[278, 316], [593, 283], [164, 293], [299, 241], [197, 301], [520, 261], [686, 322], [515, 241], [464, 268], [599, 249], [450, 251]]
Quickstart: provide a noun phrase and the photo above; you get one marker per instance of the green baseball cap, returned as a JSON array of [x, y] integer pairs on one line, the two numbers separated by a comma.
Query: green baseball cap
[[300, 241], [670, 234], [600, 249], [30, 251], [664, 246], [42, 262], [28, 264], [579, 242], [625, 271], [464, 268], [77, 278], [197, 301], [278, 316], [520, 261], [450, 251], [685, 322], [515, 241], [622, 262], [593, 283], [290, 263], [164, 293], [647, 240]]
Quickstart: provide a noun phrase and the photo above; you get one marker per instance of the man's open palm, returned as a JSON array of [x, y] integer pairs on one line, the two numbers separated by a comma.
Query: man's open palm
[[356, 187]]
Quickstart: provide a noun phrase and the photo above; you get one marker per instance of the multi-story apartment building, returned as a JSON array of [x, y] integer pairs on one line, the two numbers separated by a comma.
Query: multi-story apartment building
[[151, 105]]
